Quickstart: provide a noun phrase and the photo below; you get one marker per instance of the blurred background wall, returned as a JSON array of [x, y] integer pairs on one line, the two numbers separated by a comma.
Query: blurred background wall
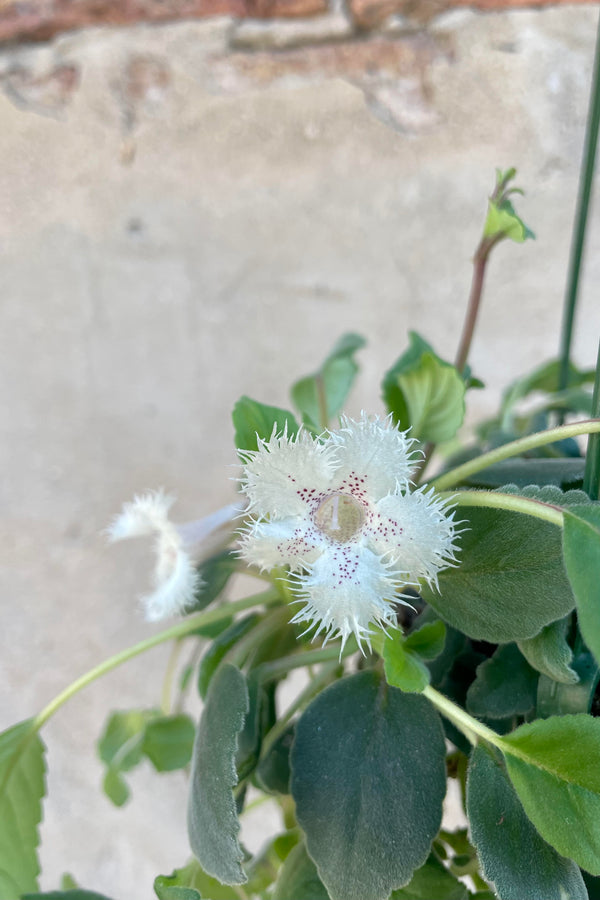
[[197, 208]]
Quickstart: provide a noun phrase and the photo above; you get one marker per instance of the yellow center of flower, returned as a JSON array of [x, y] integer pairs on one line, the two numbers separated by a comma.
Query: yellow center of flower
[[340, 517]]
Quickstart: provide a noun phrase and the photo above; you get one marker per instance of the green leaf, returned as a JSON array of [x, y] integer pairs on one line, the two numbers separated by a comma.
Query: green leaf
[[550, 654], [115, 787], [553, 765], [428, 640], [564, 473], [512, 854], [563, 699], [424, 393], [505, 686], [212, 819], [121, 743], [121, 748], [322, 395], [299, 879], [432, 880], [581, 545], [76, 894], [263, 869], [214, 573], [191, 883], [254, 421], [219, 647], [403, 669], [273, 771], [168, 742], [510, 581], [368, 778], [502, 220], [22, 788]]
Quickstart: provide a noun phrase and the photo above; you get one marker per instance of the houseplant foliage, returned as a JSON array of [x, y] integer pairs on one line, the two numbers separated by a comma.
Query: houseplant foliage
[[449, 627]]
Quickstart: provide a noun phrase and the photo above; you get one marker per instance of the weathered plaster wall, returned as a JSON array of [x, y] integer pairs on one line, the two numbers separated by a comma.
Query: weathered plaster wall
[[182, 224]]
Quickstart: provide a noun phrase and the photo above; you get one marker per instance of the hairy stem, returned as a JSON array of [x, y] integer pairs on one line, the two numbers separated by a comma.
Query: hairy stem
[[512, 502], [470, 727], [514, 448], [188, 626]]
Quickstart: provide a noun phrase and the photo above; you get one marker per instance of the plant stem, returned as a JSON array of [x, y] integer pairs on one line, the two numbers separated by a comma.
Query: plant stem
[[480, 261], [470, 727], [312, 688], [279, 667], [591, 476], [514, 448], [512, 502], [182, 629], [586, 178]]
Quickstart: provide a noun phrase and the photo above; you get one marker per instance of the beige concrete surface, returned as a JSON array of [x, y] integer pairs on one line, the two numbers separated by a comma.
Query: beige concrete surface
[[141, 293]]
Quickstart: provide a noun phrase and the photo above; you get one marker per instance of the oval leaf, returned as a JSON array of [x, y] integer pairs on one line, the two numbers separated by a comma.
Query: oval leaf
[[581, 545], [553, 765], [254, 421], [22, 788], [299, 879], [513, 856], [320, 396], [424, 393], [550, 654], [368, 778], [505, 685], [511, 580], [212, 819]]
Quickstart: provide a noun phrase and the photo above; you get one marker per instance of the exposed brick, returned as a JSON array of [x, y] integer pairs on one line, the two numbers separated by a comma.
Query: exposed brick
[[39, 20], [365, 60], [370, 14], [279, 34]]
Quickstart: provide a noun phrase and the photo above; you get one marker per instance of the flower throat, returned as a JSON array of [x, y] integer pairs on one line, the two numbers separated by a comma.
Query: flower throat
[[339, 517]]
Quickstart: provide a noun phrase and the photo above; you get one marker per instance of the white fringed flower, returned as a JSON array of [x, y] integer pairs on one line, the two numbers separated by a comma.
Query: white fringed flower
[[338, 511], [175, 576]]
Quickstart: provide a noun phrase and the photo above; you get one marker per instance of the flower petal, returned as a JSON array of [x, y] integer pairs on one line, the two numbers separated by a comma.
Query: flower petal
[[415, 532], [285, 472], [175, 577], [345, 590], [145, 514], [292, 542], [374, 457]]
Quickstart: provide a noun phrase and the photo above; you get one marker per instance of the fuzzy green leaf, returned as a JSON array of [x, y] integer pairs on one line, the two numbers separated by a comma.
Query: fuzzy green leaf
[[168, 742], [220, 646], [322, 395], [403, 669], [560, 699], [368, 778], [505, 685], [212, 819], [553, 765], [22, 788], [581, 545], [550, 654], [432, 880], [192, 883], [254, 421], [424, 393], [298, 878], [513, 856], [511, 581]]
